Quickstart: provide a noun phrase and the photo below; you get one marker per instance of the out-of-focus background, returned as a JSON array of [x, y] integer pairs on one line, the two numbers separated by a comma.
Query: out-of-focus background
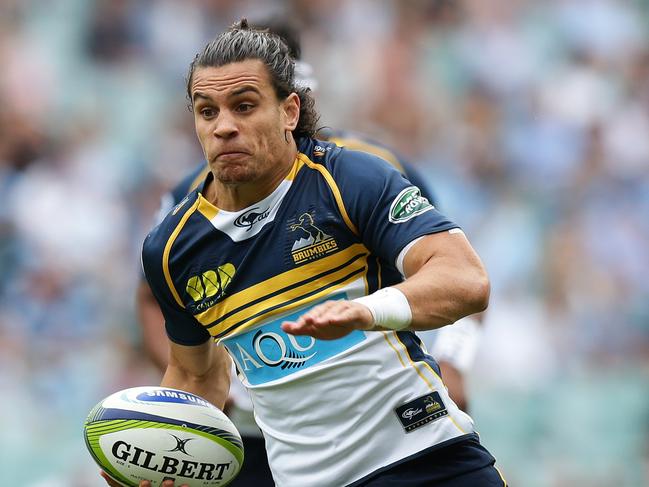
[[530, 119]]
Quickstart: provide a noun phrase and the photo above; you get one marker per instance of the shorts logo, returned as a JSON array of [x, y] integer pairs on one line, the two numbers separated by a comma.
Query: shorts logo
[[408, 204], [421, 411], [250, 217], [311, 242], [205, 289]]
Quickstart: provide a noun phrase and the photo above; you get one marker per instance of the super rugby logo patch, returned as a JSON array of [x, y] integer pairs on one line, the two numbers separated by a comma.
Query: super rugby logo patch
[[421, 411], [408, 204]]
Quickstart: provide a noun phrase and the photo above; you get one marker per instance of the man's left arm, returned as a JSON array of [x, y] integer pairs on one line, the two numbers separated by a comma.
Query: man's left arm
[[445, 281]]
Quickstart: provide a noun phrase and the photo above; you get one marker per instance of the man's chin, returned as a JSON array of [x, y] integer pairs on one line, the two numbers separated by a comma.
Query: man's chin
[[234, 176]]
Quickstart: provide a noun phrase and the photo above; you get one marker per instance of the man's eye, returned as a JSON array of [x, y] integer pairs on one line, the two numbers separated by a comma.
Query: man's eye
[[207, 112], [245, 107]]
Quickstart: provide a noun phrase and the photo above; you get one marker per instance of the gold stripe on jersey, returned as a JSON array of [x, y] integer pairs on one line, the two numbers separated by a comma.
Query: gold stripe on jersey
[[367, 285], [378, 273], [501, 476], [414, 366], [425, 363], [290, 305], [360, 145], [278, 292], [334, 188], [297, 165], [282, 291], [385, 335], [207, 209], [167, 250]]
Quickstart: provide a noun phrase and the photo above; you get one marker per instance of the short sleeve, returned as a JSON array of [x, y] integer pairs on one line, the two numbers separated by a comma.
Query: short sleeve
[[388, 210], [181, 326]]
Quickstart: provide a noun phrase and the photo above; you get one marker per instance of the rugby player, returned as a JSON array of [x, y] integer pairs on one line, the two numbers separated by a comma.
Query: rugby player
[[318, 278]]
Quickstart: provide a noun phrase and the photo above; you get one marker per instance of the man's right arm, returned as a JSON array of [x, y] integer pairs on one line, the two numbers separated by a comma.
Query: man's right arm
[[195, 364], [203, 370], [151, 320]]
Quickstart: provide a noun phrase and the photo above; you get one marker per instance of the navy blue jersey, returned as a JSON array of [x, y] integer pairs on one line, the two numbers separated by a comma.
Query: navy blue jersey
[[353, 192], [334, 228]]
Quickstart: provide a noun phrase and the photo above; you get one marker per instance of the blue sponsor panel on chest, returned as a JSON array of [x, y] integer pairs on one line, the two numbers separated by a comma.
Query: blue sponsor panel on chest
[[268, 353]]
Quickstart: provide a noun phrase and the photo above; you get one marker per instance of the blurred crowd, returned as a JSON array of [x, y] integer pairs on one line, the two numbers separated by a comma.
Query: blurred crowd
[[529, 119]]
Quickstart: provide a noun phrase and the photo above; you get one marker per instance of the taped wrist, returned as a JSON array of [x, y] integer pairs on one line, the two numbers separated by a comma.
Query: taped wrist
[[389, 307]]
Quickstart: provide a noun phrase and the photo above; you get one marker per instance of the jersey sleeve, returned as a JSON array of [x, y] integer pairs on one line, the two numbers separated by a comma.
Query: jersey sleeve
[[388, 210], [415, 177], [181, 326]]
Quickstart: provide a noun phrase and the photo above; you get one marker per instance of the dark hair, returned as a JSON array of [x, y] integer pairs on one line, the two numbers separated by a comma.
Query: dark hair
[[241, 42]]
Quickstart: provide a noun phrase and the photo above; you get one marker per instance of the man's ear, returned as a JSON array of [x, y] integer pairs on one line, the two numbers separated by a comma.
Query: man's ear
[[291, 107]]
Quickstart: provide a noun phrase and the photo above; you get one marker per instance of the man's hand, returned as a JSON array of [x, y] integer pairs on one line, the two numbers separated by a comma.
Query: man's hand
[[331, 320], [144, 483]]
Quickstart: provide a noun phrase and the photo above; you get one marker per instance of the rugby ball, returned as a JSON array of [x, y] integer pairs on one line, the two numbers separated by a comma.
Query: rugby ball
[[158, 433]]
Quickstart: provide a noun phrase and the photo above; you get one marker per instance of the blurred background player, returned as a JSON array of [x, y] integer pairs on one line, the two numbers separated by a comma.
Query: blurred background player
[[454, 347]]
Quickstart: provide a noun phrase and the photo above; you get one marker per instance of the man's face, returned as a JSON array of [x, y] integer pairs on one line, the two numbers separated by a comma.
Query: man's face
[[240, 122]]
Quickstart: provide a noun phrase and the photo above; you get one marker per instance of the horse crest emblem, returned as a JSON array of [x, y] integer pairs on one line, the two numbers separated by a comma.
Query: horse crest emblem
[[311, 242]]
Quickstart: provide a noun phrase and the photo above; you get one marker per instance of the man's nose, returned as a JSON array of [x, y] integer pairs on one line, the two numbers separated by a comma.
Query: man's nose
[[225, 126]]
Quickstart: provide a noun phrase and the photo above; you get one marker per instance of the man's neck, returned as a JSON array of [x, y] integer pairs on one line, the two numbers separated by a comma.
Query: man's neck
[[236, 196]]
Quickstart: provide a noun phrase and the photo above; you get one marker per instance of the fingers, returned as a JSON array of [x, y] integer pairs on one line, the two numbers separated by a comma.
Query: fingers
[[109, 480], [143, 483], [331, 320]]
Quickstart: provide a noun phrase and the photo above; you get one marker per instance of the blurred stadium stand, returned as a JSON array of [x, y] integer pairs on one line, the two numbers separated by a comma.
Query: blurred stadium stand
[[530, 119]]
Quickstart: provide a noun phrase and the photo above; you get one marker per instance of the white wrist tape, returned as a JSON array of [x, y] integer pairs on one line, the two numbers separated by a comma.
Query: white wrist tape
[[457, 344], [389, 308]]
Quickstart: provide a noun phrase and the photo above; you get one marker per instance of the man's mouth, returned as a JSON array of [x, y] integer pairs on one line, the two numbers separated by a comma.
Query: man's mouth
[[230, 155]]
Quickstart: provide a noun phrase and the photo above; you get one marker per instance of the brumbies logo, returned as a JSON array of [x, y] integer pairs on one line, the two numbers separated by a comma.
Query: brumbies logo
[[311, 242], [408, 204], [206, 288], [432, 405]]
